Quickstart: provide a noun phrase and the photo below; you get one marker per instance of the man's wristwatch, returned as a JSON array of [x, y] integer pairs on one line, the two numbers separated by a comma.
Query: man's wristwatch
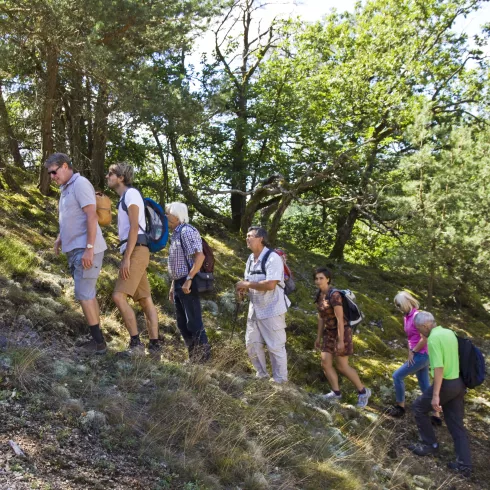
[[89, 246], [188, 278]]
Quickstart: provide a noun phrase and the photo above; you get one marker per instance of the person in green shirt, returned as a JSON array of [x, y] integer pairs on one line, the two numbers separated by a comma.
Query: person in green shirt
[[445, 395]]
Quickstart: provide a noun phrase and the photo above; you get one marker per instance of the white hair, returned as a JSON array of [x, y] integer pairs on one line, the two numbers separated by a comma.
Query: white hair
[[406, 302], [424, 318], [179, 210]]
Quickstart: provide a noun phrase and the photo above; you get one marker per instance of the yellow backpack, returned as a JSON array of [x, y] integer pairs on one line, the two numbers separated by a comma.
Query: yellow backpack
[[103, 206]]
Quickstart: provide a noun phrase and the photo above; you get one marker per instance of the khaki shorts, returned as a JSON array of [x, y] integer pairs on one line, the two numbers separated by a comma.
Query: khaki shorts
[[137, 286]]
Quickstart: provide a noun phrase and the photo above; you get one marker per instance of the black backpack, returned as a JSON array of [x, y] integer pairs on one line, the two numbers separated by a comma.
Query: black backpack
[[289, 285], [352, 312], [471, 363]]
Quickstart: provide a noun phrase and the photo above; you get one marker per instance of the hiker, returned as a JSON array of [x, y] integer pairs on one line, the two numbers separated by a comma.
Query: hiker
[[418, 357], [266, 324], [80, 238], [446, 394], [334, 339], [133, 279], [185, 258]]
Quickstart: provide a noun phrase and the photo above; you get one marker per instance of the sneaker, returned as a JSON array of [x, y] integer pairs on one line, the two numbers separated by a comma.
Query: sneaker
[[362, 399], [395, 411], [135, 349], [92, 347], [331, 397], [462, 469], [155, 350], [421, 449]]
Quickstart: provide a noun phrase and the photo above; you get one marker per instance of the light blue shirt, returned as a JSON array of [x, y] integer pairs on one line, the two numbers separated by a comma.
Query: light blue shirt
[[77, 193]]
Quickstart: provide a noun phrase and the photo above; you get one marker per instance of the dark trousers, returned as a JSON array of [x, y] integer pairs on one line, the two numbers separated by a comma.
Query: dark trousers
[[452, 403], [189, 315]]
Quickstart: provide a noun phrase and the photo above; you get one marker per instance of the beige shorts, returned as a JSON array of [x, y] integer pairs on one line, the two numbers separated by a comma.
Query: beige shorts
[[137, 286]]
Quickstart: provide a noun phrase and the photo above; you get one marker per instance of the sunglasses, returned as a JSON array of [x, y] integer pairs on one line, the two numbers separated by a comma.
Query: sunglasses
[[54, 172]]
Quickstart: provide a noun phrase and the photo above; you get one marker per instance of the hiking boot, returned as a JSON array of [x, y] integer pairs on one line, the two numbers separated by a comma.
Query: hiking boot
[[395, 411], [135, 349], [421, 449], [92, 347], [155, 350], [331, 397], [463, 469], [363, 398]]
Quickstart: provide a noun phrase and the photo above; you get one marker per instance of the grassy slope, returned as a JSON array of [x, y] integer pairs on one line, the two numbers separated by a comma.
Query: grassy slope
[[217, 427]]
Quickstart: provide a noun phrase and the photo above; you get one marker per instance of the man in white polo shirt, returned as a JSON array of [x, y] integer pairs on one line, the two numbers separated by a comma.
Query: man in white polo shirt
[[80, 238], [266, 324]]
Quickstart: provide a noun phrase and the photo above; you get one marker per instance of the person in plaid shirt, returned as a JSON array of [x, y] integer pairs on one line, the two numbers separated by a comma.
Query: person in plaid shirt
[[185, 259]]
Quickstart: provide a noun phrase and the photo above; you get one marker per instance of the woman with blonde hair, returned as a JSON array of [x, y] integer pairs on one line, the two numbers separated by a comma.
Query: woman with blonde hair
[[418, 356]]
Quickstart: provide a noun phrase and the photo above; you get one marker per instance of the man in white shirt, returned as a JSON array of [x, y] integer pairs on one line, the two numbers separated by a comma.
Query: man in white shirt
[[264, 283], [133, 279]]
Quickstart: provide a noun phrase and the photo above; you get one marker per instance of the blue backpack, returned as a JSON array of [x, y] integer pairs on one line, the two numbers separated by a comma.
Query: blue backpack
[[471, 363], [156, 231]]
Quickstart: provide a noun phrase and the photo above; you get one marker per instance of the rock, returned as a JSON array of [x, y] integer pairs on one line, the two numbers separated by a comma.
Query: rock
[[60, 369], [335, 436], [48, 282], [73, 405], [5, 363], [227, 302], [3, 342], [422, 481], [259, 481], [93, 421], [51, 304], [16, 448], [81, 368], [61, 392], [211, 306]]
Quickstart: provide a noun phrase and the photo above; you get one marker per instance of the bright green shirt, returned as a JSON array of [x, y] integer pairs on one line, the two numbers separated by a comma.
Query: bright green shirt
[[443, 352]]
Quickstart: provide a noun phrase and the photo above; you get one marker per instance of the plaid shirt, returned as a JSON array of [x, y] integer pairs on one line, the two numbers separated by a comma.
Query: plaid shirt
[[177, 263], [266, 304]]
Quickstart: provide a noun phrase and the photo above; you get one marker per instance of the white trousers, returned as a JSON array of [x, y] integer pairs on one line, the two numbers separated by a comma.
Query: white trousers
[[272, 333]]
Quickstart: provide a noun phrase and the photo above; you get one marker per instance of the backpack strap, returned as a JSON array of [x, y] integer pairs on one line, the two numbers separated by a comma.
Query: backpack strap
[[262, 263], [184, 249]]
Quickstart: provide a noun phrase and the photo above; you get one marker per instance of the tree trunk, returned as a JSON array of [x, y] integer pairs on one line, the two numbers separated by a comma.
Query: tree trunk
[[190, 196], [432, 273], [100, 138], [276, 220], [345, 225], [60, 129], [239, 164], [13, 143], [266, 213], [164, 195], [74, 117], [88, 110], [47, 121]]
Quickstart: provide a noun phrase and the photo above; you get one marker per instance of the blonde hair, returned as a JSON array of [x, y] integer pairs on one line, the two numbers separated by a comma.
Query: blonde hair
[[179, 210], [406, 302], [123, 170]]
